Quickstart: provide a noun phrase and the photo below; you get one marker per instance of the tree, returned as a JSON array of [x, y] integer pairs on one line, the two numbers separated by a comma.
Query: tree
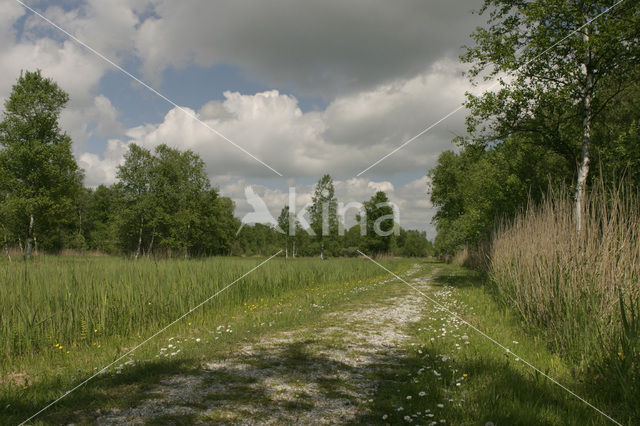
[[291, 229], [217, 224], [380, 223], [617, 147], [556, 89], [39, 175], [415, 244], [478, 186], [99, 223], [135, 183], [324, 216], [169, 204], [178, 182]]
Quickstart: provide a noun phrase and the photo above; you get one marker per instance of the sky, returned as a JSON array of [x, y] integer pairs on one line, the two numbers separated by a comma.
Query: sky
[[307, 88]]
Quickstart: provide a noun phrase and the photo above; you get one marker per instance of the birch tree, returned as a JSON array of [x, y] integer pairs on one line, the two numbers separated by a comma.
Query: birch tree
[[40, 176], [135, 180], [559, 64], [323, 215]]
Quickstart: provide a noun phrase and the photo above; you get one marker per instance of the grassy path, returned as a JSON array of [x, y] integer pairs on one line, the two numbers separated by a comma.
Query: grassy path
[[318, 373], [380, 354]]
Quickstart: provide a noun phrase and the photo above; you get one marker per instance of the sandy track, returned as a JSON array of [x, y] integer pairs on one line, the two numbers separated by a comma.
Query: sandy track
[[307, 375]]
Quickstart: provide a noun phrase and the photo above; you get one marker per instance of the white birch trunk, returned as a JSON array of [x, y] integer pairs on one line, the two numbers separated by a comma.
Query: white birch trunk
[[583, 170], [139, 239], [30, 237]]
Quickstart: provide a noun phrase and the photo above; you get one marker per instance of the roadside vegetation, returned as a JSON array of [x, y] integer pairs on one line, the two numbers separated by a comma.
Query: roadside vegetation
[[581, 290], [440, 370], [542, 195], [93, 300], [452, 373]]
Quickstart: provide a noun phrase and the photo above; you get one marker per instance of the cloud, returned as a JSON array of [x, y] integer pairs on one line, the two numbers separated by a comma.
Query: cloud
[[385, 73], [75, 70], [108, 27], [99, 117], [10, 11], [321, 48], [102, 170], [393, 91], [350, 134], [411, 198]]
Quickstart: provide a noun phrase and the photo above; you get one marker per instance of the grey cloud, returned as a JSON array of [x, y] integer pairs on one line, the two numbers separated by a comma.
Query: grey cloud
[[320, 48]]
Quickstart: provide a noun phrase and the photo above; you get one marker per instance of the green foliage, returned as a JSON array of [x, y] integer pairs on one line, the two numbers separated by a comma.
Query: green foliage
[[162, 204], [100, 226], [478, 187], [617, 144], [559, 68], [414, 244], [380, 224], [542, 84], [39, 177], [257, 239], [169, 205], [116, 298], [324, 217]]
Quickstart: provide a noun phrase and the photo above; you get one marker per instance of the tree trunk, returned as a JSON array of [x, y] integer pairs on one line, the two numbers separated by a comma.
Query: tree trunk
[[321, 251], [153, 235], [139, 239], [80, 238], [583, 170], [21, 247], [6, 244], [30, 237], [293, 249], [186, 243]]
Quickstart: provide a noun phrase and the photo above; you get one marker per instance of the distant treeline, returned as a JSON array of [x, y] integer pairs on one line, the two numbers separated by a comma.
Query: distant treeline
[[163, 203]]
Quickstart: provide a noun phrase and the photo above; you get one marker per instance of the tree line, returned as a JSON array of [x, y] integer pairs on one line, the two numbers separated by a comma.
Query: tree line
[[565, 113], [162, 203]]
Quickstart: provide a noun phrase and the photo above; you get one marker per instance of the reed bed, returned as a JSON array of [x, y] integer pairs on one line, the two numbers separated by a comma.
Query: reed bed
[[580, 288]]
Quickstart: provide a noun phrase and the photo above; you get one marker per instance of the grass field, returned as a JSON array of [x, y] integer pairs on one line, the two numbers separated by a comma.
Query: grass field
[[58, 305], [442, 370], [61, 317]]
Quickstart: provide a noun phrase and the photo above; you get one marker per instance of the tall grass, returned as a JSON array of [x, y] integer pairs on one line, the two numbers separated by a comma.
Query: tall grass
[[80, 300], [580, 288]]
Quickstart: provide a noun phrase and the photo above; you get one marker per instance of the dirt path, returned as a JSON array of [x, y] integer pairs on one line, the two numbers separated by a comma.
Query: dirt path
[[324, 374]]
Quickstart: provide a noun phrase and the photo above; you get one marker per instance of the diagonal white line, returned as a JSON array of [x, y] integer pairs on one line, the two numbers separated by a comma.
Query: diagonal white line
[[412, 139], [147, 339], [491, 339], [151, 89], [425, 130]]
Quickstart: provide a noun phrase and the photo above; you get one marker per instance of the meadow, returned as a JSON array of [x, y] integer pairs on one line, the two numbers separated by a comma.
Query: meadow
[[64, 317], [104, 306], [59, 305]]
